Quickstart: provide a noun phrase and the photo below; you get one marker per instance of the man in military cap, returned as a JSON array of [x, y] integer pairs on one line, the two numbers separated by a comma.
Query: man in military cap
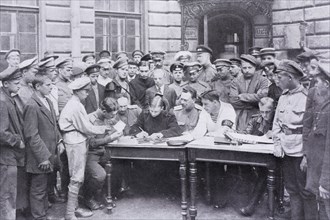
[[76, 127], [183, 56], [11, 142], [222, 80], [274, 91], [158, 59], [89, 59], [177, 73], [247, 90], [235, 68], [121, 54], [140, 84], [105, 54], [192, 118], [193, 69], [13, 57], [64, 68], [161, 88], [29, 69], [309, 64], [137, 55], [96, 95], [49, 54], [107, 73], [204, 55], [78, 70], [287, 136], [255, 51], [119, 85], [133, 69]]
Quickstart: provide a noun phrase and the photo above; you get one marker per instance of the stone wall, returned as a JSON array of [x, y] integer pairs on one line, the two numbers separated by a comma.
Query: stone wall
[[164, 26], [299, 23]]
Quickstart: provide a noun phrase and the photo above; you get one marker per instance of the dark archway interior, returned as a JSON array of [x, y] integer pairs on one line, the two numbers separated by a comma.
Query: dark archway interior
[[226, 35]]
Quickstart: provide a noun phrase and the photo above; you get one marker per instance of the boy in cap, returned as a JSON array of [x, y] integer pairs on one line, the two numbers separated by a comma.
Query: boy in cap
[[76, 127], [43, 143], [288, 139], [267, 54], [140, 84], [235, 68], [222, 81], [89, 59], [204, 55], [96, 95], [137, 55], [247, 90], [107, 73], [11, 142]]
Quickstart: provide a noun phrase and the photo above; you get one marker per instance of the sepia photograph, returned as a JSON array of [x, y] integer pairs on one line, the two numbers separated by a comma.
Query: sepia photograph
[[165, 109]]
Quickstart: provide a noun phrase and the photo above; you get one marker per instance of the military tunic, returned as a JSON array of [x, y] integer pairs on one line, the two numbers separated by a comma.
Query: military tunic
[[64, 92], [130, 117], [207, 73]]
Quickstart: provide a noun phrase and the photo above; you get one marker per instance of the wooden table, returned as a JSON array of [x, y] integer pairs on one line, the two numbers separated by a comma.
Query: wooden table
[[247, 154], [160, 152]]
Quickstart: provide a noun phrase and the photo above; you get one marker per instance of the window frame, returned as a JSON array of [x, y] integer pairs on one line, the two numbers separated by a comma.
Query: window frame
[[126, 16]]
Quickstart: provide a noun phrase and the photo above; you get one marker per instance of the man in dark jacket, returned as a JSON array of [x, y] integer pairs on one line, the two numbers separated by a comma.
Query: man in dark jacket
[[11, 142], [43, 138]]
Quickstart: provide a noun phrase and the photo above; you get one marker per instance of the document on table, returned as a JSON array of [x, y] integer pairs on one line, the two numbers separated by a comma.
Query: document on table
[[119, 126], [250, 139]]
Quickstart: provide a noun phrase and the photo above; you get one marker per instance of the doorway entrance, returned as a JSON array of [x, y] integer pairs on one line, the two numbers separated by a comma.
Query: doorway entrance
[[227, 35]]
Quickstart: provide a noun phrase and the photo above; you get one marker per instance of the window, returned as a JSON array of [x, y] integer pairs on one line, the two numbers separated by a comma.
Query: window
[[18, 28], [118, 25]]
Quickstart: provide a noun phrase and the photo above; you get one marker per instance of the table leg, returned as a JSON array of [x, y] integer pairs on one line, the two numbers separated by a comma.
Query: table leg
[[271, 186], [109, 197], [183, 179], [208, 183], [193, 186], [280, 186]]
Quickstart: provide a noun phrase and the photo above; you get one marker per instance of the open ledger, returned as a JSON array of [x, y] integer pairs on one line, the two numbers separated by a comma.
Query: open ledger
[[247, 138]]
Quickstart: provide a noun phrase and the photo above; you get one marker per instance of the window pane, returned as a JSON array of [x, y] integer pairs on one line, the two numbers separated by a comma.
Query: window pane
[[118, 5], [99, 26], [6, 22], [101, 43], [133, 6], [118, 44], [133, 27], [31, 46], [7, 2], [130, 44], [7, 42], [117, 26], [27, 23]]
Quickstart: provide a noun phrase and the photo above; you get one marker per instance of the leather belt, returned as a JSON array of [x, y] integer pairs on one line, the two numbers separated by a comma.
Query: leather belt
[[289, 131]]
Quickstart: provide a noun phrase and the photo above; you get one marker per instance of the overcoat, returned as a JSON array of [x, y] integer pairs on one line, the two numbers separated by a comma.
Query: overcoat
[[90, 102], [41, 132], [250, 96], [169, 95]]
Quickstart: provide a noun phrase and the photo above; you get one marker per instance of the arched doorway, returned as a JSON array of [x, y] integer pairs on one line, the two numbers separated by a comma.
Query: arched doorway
[[227, 35]]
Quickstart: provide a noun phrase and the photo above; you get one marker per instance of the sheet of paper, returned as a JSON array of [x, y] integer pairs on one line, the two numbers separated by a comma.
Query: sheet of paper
[[119, 126]]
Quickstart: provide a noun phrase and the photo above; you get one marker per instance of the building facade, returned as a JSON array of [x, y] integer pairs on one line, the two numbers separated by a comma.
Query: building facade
[[229, 27]]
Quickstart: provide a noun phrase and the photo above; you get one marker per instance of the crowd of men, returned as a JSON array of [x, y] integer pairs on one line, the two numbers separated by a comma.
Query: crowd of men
[[57, 114]]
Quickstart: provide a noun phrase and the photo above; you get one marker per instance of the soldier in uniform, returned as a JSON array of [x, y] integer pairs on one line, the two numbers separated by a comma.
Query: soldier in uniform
[[193, 70], [158, 59], [137, 55], [316, 118], [76, 127], [183, 57], [64, 68], [29, 69], [288, 139], [177, 72], [121, 55], [140, 84], [192, 118], [49, 54], [309, 64], [105, 54], [78, 70], [235, 68], [274, 91], [89, 59], [11, 142], [107, 73], [204, 55], [247, 90], [222, 81]]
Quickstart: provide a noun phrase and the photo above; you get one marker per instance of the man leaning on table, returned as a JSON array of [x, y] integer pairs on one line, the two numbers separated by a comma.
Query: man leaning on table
[[287, 135]]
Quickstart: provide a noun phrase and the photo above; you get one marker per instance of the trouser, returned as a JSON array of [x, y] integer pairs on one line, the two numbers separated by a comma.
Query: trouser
[[303, 203], [23, 185], [324, 209], [8, 192], [38, 195]]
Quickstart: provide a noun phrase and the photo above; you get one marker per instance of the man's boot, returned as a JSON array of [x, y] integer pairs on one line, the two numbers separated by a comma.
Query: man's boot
[[71, 206], [257, 194]]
